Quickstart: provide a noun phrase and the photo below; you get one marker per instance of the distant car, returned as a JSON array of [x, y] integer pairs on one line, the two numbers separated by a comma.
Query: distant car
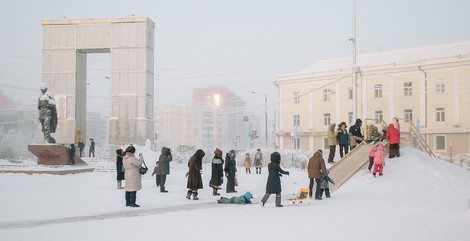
[[185, 148]]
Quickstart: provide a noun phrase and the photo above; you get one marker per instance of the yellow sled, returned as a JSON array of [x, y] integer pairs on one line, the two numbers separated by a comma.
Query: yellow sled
[[302, 197]]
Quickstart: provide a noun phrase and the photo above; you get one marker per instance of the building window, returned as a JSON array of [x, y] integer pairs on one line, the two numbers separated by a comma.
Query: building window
[[296, 97], [378, 91], [440, 88], [440, 114], [350, 94], [350, 118], [440, 143], [408, 113], [326, 119], [296, 141], [407, 88], [326, 94], [296, 120], [379, 116]]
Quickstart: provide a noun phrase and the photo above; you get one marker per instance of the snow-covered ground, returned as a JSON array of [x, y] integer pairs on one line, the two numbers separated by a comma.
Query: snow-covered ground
[[418, 198]]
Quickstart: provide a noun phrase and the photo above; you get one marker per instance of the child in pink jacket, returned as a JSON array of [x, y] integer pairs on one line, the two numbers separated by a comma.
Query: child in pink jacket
[[371, 157], [379, 160]]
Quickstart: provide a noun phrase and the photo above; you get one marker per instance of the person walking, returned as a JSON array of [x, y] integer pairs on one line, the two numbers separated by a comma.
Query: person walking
[[332, 142], [132, 176], [258, 161], [194, 174], [273, 185], [91, 151], [230, 170], [343, 139], [247, 163], [217, 176], [355, 130], [316, 166], [119, 169], [163, 168]]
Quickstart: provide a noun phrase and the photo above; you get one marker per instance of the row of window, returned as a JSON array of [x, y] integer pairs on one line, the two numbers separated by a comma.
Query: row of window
[[379, 116], [407, 91]]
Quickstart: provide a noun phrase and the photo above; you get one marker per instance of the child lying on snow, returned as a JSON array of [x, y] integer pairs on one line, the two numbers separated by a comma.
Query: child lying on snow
[[244, 199]]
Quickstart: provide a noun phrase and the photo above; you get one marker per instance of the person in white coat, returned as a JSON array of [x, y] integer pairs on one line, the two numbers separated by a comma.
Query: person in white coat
[[132, 176]]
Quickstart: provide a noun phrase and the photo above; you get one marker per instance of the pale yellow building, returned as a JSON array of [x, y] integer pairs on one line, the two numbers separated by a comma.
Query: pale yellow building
[[428, 86]]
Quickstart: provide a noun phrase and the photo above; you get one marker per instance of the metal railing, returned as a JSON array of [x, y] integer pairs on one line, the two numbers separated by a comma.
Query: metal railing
[[422, 144]]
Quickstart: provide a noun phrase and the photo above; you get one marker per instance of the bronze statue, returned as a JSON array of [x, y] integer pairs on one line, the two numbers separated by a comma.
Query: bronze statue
[[47, 114]]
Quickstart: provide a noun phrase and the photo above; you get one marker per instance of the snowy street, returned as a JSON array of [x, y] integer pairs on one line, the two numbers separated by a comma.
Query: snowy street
[[418, 198]]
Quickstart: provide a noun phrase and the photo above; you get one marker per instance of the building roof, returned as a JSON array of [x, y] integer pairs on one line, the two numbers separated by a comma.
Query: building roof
[[66, 21], [399, 57]]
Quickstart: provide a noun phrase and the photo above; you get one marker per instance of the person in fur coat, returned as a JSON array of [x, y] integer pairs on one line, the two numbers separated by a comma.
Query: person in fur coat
[[194, 174]]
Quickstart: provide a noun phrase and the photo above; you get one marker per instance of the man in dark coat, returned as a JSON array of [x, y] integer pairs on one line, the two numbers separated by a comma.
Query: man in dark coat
[[164, 167], [92, 148], [355, 130], [81, 145], [316, 166], [72, 154], [119, 169], [230, 171], [194, 174], [273, 184], [217, 177]]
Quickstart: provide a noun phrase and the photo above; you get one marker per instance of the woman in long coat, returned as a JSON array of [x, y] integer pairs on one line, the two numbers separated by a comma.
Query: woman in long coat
[[194, 174], [132, 176], [230, 171], [217, 177], [119, 170], [274, 181]]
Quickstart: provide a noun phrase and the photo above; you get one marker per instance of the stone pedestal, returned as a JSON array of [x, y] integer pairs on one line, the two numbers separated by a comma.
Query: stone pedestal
[[52, 154]]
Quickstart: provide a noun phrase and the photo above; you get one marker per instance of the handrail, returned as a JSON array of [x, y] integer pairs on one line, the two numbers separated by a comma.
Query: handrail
[[423, 144]]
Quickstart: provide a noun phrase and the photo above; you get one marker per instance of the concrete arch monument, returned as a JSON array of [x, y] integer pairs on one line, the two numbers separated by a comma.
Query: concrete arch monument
[[130, 42]]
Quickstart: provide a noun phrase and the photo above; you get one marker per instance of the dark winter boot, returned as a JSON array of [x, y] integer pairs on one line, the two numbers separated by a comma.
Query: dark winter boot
[[264, 199], [188, 195], [195, 196], [133, 199], [278, 200], [214, 191], [128, 199]]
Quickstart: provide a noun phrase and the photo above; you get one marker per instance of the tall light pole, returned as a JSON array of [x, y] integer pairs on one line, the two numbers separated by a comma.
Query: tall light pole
[[354, 70], [265, 117]]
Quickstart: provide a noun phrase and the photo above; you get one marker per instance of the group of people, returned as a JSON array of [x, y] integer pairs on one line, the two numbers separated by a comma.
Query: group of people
[[349, 140]]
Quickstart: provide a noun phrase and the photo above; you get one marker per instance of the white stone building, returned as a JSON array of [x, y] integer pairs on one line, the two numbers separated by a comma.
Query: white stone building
[[429, 86]]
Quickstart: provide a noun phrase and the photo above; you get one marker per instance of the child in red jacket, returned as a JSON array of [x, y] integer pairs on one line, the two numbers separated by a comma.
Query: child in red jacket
[[379, 160]]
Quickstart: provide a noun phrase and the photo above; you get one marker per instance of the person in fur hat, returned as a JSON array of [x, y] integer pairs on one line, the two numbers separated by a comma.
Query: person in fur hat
[[217, 176]]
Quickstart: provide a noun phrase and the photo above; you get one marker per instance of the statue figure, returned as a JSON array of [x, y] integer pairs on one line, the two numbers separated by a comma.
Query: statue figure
[[47, 114]]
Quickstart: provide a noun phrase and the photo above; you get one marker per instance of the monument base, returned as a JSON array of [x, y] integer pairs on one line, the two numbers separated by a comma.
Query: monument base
[[53, 154]]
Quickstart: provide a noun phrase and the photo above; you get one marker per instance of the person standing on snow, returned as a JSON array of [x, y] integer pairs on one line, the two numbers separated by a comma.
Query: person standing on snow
[[247, 163], [258, 161], [332, 142], [316, 166], [273, 185], [355, 130], [230, 170], [132, 176], [343, 139], [393, 137], [379, 160], [163, 168], [217, 176], [194, 174], [119, 169]]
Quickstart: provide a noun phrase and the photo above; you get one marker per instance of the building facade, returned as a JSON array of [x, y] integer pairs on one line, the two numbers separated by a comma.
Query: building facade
[[215, 119], [428, 87]]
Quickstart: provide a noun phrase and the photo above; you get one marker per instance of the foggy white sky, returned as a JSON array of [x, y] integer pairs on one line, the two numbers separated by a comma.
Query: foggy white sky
[[241, 44]]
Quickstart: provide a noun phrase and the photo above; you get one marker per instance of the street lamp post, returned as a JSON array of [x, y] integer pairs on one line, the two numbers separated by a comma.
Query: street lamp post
[[265, 117]]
